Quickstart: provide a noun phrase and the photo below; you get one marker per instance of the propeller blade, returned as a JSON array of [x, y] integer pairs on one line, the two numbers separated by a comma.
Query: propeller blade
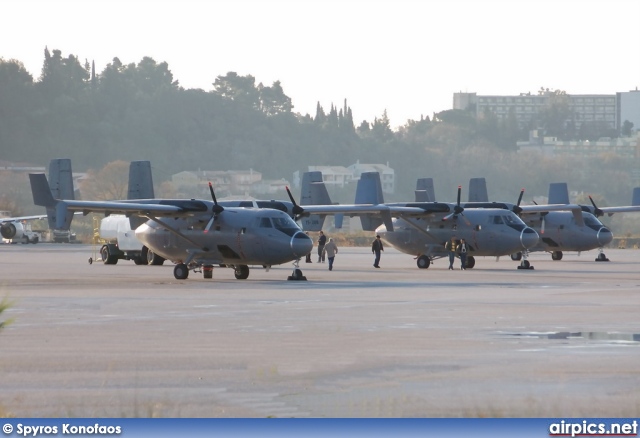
[[208, 227], [516, 209], [217, 208], [297, 210], [596, 211], [459, 193], [542, 226]]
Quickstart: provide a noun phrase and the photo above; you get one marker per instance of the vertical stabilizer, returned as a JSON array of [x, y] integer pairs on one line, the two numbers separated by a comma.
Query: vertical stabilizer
[[635, 199], [140, 187], [313, 192], [478, 190], [558, 193], [140, 180], [61, 186], [425, 191], [369, 191]]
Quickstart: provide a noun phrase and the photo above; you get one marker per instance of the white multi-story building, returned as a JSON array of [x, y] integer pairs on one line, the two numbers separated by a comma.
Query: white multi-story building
[[613, 109], [340, 176]]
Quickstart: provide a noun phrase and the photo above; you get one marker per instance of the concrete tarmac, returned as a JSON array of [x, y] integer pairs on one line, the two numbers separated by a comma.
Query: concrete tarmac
[[131, 341]]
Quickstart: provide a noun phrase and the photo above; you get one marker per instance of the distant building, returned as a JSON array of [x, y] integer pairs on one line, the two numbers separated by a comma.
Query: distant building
[[241, 183], [339, 176], [628, 147], [612, 109], [387, 174]]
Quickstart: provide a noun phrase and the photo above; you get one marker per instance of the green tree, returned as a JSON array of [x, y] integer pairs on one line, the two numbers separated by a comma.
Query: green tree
[[273, 101], [240, 89]]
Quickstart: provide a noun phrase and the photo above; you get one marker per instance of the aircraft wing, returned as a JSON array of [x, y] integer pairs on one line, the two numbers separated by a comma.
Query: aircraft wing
[[574, 208], [623, 209], [22, 218], [383, 211], [42, 196]]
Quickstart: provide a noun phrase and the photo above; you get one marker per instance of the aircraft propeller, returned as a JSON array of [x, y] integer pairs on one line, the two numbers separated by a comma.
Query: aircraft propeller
[[516, 208], [457, 209], [596, 212], [215, 210], [297, 210]]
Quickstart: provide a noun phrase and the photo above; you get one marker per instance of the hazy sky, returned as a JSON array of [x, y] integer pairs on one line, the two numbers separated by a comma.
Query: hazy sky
[[405, 56]]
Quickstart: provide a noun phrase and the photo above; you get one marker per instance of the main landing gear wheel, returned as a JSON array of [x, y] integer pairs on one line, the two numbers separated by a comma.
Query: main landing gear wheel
[[602, 258], [241, 272], [423, 262], [181, 271], [471, 262], [516, 257], [556, 255], [151, 257]]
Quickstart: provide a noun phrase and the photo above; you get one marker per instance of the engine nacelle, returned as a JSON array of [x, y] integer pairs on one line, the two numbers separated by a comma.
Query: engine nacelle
[[8, 230]]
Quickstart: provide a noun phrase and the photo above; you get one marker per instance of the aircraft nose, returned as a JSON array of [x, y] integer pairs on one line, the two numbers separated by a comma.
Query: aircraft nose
[[605, 236], [301, 244], [528, 237]]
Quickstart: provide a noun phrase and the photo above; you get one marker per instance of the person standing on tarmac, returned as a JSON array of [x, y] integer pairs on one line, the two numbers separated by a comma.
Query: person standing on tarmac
[[377, 248], [322, 240], [308, 258], [462, 252], [451, 246], [331, 249]]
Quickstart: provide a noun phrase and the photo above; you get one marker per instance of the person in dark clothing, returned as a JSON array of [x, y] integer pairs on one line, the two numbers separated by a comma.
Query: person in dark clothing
[[462, 252], [322, 240], [376, 248], [308, 258]]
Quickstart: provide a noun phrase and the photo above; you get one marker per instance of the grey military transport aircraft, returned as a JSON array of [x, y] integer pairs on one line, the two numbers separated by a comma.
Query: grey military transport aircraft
[[422, 228], [198, 234], [561, 231]]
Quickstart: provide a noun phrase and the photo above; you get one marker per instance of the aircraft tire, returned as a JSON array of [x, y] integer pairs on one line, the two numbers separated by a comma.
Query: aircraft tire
[[241, 272], [525, 265], [516, 257], [556, 255], [423, 262], [471, 262], [181, 271], [297, 275], [152, 258], [35, 240]]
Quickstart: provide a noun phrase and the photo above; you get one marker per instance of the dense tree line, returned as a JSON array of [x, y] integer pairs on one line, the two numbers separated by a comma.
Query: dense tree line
[[140, 112]]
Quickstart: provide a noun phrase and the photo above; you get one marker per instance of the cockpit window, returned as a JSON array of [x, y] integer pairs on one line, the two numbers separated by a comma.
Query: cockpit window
[[285, 224], [265, 222], [590, 221], [514, 222]]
